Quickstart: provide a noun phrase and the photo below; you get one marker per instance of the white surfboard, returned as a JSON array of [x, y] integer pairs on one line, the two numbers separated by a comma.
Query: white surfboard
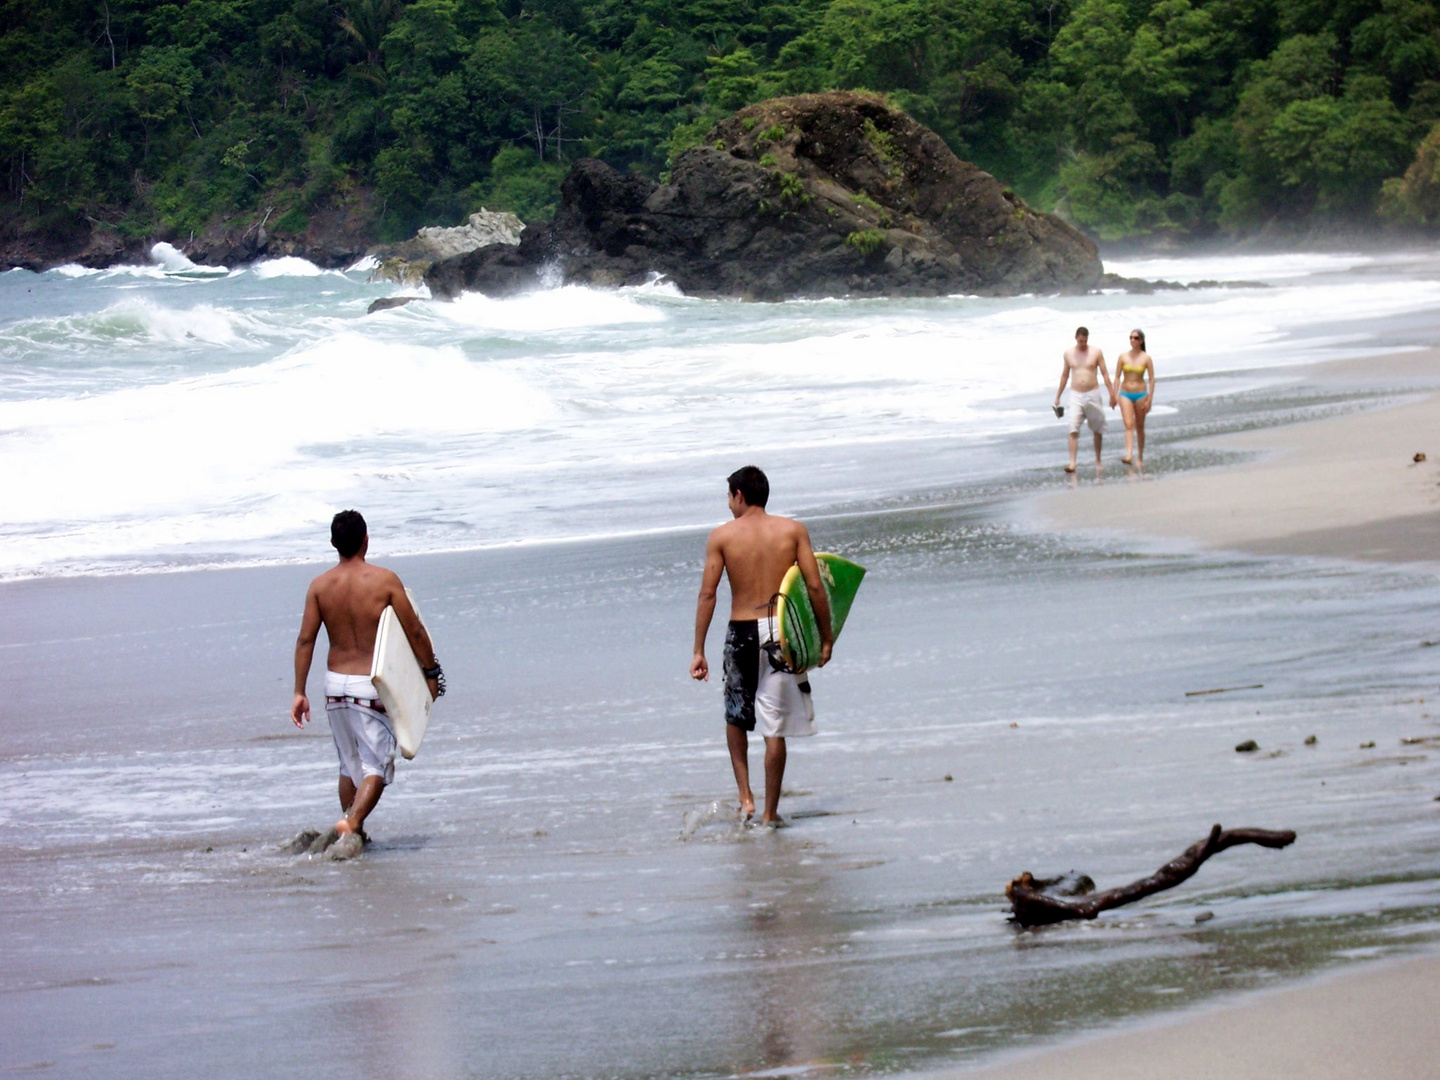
[[400, 681]]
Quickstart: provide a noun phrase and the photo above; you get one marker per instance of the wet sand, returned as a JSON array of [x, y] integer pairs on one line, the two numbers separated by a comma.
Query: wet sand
[[550, 892], [1343, 487], [1347, 488], [1379, 1024]]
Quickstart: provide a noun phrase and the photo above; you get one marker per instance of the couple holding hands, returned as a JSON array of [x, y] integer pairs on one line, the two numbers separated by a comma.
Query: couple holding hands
[[1134, 392]]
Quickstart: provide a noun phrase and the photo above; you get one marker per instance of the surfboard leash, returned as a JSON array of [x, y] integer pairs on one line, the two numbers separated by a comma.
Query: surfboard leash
[[773, 648]]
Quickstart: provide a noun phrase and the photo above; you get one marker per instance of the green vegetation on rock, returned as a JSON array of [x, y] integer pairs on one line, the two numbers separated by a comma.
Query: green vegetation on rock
[[1132, 117], [865, 241]]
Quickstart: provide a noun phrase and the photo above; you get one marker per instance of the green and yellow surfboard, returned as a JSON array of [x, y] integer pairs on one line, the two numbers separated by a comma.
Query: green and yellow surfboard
[[795, 620]]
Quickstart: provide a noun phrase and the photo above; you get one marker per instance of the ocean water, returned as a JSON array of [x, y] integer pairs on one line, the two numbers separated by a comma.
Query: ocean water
[[557, 887], [170, 416]]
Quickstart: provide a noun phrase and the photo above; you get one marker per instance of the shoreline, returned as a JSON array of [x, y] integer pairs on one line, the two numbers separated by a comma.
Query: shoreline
[[1285, 499], [1377, 1022]]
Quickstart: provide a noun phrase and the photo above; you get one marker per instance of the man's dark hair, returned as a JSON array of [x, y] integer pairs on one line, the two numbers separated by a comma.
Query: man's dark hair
[[1081, 330], [347, 532], [752, 485]]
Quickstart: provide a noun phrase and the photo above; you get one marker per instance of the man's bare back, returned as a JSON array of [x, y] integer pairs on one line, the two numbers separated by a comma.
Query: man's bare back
[[755, 551], [349, 600], [758, 551]]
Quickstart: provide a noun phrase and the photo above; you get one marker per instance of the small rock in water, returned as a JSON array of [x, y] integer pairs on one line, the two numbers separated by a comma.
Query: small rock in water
[[948, 778], [300, 843], [385, 303], [1311, 740], [1419, 457], [1204, 916], [1247, 746], [323, 841], [347, 847], [1368, 745]]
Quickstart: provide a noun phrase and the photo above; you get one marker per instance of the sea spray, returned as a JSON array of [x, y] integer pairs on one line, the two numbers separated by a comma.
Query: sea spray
[[700, 816]]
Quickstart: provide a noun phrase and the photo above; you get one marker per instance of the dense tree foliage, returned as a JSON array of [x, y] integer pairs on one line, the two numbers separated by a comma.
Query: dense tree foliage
[[1131, 116]]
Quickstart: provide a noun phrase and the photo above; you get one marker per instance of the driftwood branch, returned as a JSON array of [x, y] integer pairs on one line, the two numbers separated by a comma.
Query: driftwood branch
[[1032, 904]]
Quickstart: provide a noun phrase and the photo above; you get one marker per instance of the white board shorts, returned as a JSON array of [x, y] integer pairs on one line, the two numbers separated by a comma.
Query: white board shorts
[[364, 740], [1089, 407], [777, 704]]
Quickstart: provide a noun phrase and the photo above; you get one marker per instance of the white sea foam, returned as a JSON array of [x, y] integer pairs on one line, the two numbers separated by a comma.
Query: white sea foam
[[567, 308], [73, 270], [287, 266], [173, 261], [137, 430], [168, 257], [1267, 268], [363, 265], [135, 322], [232, 458]]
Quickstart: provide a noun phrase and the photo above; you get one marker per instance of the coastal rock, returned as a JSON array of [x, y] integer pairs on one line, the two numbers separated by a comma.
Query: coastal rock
[[385, 303], [833, 194], [331, 237], [407, 262], [1249, 746], [83, 243]]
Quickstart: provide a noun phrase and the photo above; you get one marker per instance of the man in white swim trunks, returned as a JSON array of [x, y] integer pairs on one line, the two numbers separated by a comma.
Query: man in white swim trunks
[[1086, 402], [349, 599], [755, 551]]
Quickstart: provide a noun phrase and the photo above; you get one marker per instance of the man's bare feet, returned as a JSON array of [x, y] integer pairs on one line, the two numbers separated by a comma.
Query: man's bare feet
[[776, 822], [344, 827], [1126, 461], [1069, 468], [747, 810]]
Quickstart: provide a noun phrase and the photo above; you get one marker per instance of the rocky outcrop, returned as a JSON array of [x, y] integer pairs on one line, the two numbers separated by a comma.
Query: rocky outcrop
[[332, 237], [407, 261], [818, 195], [83, 244]]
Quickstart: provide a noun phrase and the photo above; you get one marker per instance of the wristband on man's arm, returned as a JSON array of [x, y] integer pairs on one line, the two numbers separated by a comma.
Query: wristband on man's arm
[[438, 674]]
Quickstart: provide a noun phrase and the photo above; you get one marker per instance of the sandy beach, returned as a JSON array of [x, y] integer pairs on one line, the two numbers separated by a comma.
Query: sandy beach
[[1343, 487], [1378, 1023]]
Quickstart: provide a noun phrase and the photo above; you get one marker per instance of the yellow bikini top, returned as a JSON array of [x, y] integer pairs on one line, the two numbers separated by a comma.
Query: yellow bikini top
[[1138, 369]]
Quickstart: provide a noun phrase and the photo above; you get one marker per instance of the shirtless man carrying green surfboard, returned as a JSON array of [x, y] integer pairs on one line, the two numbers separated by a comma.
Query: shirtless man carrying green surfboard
[[755, 551]]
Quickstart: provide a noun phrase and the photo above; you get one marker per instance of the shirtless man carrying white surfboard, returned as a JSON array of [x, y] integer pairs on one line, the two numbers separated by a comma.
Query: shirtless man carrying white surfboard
[[349, 599], [755, 551]]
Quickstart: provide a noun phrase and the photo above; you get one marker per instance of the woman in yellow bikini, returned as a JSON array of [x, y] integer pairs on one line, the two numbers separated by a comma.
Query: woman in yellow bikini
[[1135, 368]]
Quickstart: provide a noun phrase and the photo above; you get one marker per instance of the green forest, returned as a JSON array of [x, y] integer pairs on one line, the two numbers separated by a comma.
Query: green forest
[[1133, 118]]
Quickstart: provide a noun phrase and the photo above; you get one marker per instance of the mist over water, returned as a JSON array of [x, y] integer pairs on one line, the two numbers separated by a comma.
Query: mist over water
[[172, 415]]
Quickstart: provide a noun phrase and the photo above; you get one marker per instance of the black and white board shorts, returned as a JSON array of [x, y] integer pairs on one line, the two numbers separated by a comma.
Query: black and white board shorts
[[757, 697]]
